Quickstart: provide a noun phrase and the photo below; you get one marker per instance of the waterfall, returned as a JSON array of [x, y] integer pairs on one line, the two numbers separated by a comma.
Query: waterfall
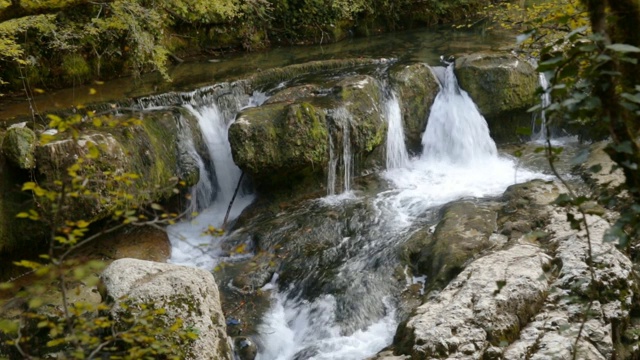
[[191, 241], [459, 158], [397, 155], [456, 132], [540, 134], [202, 193], [342, 119]]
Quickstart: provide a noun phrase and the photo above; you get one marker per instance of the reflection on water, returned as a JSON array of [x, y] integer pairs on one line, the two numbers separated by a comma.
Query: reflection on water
[[424, 45]]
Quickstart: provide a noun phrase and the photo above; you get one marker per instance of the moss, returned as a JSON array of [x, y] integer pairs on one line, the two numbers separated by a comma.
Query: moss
[[76, 67], [19, 147]]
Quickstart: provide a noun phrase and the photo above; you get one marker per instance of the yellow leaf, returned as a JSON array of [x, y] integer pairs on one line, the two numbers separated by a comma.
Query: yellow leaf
[[92, 91], [82, 224], [39, 91]]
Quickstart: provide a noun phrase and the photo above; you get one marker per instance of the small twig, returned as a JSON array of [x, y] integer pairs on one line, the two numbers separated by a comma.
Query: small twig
[[235, 193]]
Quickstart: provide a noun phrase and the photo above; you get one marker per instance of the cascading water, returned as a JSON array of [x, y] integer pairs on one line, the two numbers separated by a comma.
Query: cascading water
[[355, 316], [459, 157], [397, 155], [342, 119], [539, 125], [191, 240]]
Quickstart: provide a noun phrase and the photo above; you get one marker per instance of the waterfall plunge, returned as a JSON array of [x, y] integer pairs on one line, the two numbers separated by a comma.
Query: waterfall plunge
[[459, 158], [397, 155]]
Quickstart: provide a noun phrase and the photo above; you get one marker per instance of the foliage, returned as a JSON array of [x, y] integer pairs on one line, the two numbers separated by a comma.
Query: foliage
[[60, 318]]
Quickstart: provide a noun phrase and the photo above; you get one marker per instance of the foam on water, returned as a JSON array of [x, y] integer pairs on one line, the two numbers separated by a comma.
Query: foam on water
[[295, 329]]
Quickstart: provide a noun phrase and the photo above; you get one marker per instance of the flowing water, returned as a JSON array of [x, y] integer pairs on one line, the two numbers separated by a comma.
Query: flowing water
[[357, 314]]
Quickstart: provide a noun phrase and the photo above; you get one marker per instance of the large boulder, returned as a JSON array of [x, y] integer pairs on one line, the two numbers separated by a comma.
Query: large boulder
[[484, 307], [150, 151], [278, 144], [416, 87], [19, 146], [187, 293], [503, 87]]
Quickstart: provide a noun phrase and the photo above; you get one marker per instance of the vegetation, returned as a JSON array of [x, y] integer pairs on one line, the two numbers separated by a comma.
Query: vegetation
[[59, 315], [58, 43]]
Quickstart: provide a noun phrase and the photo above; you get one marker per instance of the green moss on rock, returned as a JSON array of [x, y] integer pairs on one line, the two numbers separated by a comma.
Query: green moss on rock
[[276, 141], [18, 146], [498, 82]]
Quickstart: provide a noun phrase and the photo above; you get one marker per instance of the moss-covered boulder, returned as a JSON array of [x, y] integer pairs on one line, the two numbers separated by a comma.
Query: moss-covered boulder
[[280, 144], [503, 87], [19, 145], [361, 96], [416, 87], [150, 151], [497, 82]]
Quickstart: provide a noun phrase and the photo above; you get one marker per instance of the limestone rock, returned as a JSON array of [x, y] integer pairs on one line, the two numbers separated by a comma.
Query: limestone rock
[[464, 231], [417, 88], [19, 146], [486, 305], [554, 329], [598, 157], [290, 95], [184, 292]]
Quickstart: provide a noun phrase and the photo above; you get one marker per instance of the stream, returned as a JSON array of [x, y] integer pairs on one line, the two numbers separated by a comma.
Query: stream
[[340, 302]]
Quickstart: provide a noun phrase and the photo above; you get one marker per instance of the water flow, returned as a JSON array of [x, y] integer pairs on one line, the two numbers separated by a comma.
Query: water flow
[[456, 132], [342, 119], [192, 241], [202, 193], [540, 134], [459, 158], [397, 155]]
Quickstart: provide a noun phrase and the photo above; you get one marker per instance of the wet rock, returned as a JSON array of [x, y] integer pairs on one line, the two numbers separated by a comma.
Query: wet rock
[[497, 82], [416, 87], [388, 355], [245, 348], [486, 305], [294, 93], [188, 293], [361, 96], [19, 146], [464, 232]]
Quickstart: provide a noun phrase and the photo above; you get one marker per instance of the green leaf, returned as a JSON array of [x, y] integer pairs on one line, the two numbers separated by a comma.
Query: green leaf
[[623, 48]]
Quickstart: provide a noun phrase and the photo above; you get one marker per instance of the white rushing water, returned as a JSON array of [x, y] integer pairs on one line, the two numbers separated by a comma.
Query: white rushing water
[[460, 159], [343, 119], [191, 241], [539, 124], [397, 155]]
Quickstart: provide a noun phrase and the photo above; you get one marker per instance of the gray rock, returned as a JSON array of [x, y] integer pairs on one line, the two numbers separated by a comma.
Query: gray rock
[[188, 293], [245, 348], [19, 147], [486, 305], [554, 330]]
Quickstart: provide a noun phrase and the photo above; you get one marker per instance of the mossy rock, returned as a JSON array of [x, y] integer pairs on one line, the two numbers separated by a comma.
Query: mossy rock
[[279, 143], [361, 96], [416, 87], [19, 146], [497, 81], [150, 151]]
